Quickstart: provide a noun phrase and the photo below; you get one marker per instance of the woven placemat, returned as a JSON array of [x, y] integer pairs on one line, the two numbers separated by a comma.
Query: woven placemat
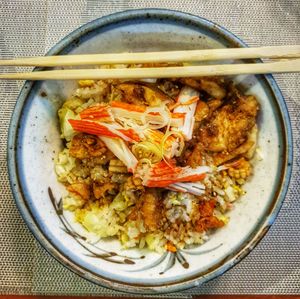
[[30, 28]]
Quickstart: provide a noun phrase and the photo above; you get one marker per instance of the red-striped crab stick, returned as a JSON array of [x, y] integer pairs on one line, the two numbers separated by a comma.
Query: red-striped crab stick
[[186, 104], [168, 175]]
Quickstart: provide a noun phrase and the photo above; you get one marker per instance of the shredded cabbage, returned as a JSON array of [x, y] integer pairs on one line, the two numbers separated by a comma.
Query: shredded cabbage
[[155, 241], [71, 203], [119, 203], [63, 165], [66, 129], [102, 220], [231, 194]]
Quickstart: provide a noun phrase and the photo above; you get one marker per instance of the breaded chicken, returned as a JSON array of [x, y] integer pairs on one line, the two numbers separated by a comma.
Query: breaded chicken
[[196, 157], [226, 132], [229, 126], [202, 111], [212, 86], [243, 150]]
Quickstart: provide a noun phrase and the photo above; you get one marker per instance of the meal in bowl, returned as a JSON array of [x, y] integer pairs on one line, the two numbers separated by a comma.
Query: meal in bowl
[[156, 164]]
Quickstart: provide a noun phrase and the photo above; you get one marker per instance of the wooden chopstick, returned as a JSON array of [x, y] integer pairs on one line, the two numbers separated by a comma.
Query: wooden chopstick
[[152, 57], [292, 65]]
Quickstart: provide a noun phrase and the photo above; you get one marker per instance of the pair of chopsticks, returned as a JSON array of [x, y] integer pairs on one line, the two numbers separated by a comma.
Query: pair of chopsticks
[[288, 60]]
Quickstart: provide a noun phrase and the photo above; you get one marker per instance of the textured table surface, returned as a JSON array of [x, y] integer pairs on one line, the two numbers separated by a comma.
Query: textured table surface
[[30, 28]]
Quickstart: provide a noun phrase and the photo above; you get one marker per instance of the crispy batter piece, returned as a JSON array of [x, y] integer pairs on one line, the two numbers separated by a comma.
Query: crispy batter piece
[[142, 94], [196, 157], [151, 210], [207, 220], [227, 132], [80, 189], [85, 146], [202, 111], [213, 105], [242, 150], [134, 184], [101, 190]]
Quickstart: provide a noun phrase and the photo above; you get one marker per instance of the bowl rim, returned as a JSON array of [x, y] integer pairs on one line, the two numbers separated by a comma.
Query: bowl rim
[[261, 228]]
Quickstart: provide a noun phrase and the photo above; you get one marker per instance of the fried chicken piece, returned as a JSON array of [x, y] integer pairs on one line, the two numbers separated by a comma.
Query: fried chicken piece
[[142, 94], [211, 86], [229, 126], [214, 104], [208, 223], [132, 189], [202, 111], [207, 220], [80, 189], [150, 209], [196, 158], [85, 146], [242, 150], [117, 166]]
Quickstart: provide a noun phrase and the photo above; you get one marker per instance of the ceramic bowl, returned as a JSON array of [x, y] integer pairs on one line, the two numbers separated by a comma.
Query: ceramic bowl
[[34, 141]]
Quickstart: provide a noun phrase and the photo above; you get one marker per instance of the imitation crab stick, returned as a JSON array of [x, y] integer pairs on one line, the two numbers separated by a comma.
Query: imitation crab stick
[[119, 148], [195, 188], [107, 113], [187, 103], [126, 106], [98, 112], [163, 174], [95, 128], [171, 142]]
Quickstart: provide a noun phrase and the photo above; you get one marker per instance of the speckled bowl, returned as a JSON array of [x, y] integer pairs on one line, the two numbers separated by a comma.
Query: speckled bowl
[[34, 141]]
